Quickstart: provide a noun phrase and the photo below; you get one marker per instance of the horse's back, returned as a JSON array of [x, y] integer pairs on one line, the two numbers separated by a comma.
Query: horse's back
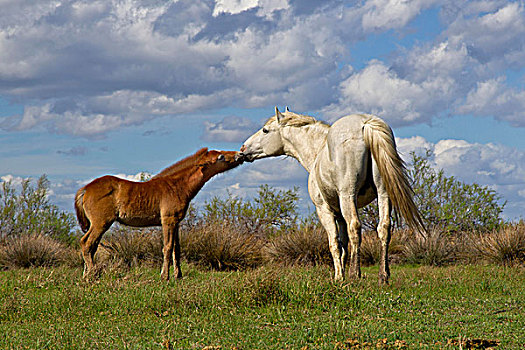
[[347, 149], [343, 167]]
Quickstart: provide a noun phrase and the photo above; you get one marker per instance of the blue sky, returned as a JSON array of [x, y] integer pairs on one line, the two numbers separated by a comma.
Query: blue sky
[[89, 88]]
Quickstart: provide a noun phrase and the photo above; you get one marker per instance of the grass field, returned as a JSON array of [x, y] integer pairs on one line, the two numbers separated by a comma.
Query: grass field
[[267, 308]]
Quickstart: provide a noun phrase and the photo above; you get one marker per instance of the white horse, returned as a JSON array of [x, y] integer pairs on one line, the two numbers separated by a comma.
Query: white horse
[[350, 164]]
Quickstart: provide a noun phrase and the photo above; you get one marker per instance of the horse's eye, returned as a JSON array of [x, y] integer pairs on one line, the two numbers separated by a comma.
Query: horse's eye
[[265, 130], [220, 157]]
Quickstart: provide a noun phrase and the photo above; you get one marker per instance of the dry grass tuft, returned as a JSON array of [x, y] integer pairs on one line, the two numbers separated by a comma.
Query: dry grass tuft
[[304, 246], [434, 249], [221, 246], [31, 250], [504, 247], [126, 247], [370, 248]]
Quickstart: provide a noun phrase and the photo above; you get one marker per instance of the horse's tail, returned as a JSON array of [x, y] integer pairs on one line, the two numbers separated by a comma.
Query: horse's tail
[[83, 220], [380, 139]]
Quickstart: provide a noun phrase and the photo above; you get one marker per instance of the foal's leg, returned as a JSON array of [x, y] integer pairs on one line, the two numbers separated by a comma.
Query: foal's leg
[[176, 252], [326, 217], [349, 211], [168, 227], [89, 244]]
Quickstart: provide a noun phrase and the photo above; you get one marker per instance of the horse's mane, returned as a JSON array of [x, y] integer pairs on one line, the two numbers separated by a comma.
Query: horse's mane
[[297, 120], [183, 164]]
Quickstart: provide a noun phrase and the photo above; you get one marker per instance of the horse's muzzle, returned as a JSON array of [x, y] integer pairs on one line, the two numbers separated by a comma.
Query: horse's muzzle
[[242, 155]]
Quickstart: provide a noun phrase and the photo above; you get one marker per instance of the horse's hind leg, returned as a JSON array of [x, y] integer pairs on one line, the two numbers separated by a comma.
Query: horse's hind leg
[[89, 244], [383, 228], [349, 211]]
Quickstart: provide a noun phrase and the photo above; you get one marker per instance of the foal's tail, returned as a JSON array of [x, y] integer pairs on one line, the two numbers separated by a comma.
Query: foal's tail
[[83, 220], [380, 139]]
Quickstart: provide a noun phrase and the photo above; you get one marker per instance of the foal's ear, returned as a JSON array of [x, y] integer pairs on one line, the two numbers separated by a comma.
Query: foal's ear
[[278, 114]]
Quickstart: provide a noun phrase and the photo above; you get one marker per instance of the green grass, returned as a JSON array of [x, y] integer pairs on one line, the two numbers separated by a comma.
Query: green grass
[[266, 308]]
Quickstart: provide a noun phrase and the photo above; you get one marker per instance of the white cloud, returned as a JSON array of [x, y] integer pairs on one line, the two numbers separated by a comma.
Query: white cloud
[[379, 90], [233, 6], [87, 68], [495, 36], [13, 180], [230, 129], [492, 97], [462, 73], [391, 14], [417, 144]]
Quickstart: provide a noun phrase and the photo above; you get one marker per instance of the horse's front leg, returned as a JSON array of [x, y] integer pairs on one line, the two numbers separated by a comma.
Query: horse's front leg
[[168, 229], [327, 219]]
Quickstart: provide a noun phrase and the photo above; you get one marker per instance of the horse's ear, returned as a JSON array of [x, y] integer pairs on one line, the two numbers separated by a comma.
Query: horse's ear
[[278, 114], [287, 109]]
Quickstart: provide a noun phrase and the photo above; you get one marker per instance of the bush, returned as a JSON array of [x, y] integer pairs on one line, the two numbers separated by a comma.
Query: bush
[[445, 202], [129, 247], [221, 246], [30, 212], [504, 247], [272, 211], [307, 245], [434, 249], [31, 250], [452, 205]]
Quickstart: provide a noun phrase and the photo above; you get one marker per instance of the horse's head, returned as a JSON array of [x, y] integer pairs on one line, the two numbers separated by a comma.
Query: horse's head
[[218, 161], [267, 142]]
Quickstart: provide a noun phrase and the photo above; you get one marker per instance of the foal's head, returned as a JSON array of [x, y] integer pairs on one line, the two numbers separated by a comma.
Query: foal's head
[[215, 162]]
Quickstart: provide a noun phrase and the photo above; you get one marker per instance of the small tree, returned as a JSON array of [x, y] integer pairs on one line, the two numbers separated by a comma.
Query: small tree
[[30, 212], [445, 202], [271, 211], [450, 204]]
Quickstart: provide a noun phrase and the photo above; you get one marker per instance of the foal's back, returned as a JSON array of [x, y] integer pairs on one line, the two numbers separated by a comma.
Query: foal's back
[[128, 202]]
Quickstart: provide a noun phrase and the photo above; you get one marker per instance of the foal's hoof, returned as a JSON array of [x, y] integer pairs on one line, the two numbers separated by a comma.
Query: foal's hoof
[[91, 275]]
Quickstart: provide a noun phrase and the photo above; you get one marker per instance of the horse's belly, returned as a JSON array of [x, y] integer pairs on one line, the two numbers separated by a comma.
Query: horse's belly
[[139, 220]]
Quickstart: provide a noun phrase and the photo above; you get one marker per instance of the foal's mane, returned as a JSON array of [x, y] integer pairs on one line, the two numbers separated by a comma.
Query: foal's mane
[[297, 120], [183, 164]]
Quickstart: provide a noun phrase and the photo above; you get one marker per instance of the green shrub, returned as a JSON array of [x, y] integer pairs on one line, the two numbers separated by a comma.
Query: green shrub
[[29, 212], [272, 211], [445, 202], [452, 205]]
